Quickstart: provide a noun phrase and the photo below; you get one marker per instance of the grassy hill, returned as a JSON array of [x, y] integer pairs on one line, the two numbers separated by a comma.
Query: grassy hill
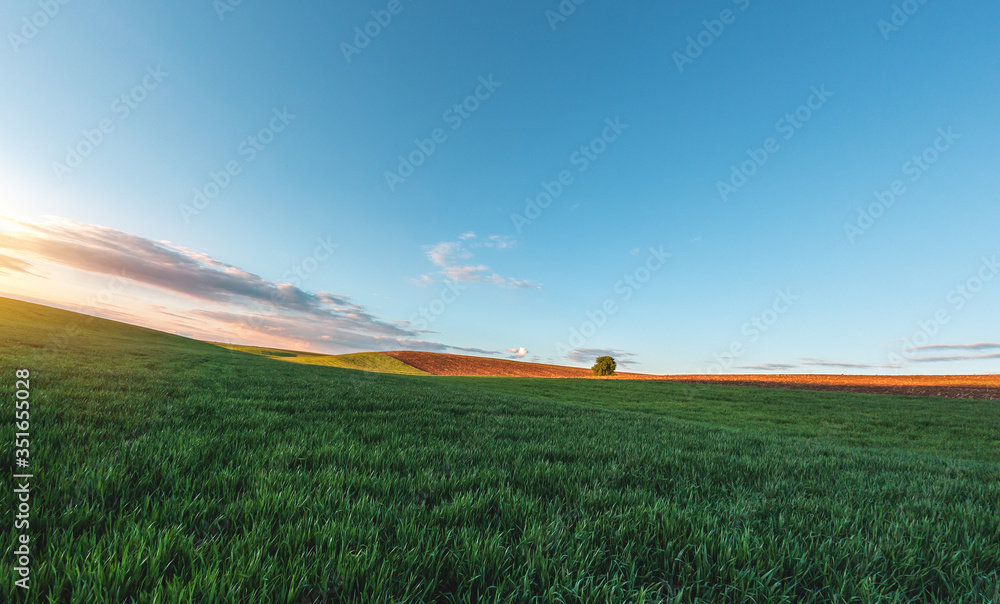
[[362, 361], [173, 470]]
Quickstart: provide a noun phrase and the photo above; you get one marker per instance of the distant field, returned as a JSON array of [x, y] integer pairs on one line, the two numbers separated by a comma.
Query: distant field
[[951, 386], [984, 387], [455, 364], [171, 470]]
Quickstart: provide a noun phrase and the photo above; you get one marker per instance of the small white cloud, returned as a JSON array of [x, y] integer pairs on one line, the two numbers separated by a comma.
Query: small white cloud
[[450, 257], [446, 252], [518, 352], [499, 242]]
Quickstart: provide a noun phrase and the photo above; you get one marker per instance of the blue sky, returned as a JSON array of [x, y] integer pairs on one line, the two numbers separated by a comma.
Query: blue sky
[[642, 110]]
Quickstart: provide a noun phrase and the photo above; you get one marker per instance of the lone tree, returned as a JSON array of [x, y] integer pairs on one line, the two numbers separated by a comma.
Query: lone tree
[[604, 366]]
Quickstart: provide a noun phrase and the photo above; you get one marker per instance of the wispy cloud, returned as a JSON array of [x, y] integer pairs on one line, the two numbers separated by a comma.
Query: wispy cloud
[[769, 367], [957, 357], [805, 363], [160, 264], [8, 264], [453, 260], [839, 365], [589, 355], [422, 281], [961, 352], [219, 294], [980, 346]]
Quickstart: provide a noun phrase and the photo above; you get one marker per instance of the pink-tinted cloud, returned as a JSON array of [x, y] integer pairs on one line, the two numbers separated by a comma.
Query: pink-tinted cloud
[[8, 264], [220, 295]]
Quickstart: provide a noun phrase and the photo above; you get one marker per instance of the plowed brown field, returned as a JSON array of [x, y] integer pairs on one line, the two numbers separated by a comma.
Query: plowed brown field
[[454, 364], [950, 386]]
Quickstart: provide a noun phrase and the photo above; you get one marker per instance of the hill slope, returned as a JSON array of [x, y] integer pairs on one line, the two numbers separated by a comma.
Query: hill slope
[[362, 361]]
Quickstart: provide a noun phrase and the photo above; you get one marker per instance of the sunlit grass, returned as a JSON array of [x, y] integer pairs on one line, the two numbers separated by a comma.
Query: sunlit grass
[[363, 361]]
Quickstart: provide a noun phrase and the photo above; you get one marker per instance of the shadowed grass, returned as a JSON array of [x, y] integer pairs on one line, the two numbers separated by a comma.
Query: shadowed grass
[[171, 470]]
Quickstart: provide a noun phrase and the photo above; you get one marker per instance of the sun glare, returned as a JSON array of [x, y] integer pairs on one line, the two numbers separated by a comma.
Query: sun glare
[[11, 227]]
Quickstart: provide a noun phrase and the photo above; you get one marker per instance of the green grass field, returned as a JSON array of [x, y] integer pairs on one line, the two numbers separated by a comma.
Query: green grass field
[[170, 470]]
